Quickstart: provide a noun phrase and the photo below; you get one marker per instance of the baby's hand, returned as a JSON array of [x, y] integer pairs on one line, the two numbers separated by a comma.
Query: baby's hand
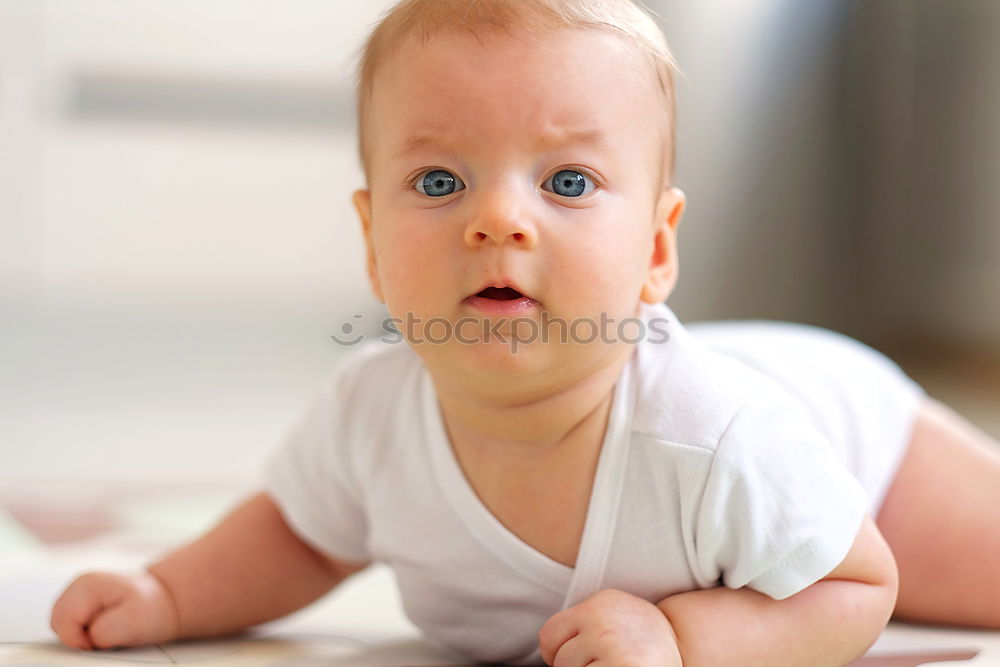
[[102, 610], [611, 628]]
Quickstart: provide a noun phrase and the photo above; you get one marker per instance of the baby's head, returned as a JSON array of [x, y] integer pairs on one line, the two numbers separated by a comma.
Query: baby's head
[[523, 145]]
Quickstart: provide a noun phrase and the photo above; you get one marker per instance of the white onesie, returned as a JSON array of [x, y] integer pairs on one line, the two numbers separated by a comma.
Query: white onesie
[[710, 473]]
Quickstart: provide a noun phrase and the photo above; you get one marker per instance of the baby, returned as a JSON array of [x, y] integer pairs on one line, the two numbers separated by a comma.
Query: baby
[[557, 469]]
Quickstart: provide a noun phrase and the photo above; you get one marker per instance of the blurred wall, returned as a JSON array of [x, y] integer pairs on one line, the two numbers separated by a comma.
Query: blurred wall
[[841, 161], [176, 236], [759, 154], [923, 121], [188, 151]]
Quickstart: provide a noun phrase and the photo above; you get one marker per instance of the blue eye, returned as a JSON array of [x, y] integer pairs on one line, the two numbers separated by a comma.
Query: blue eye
[[569, 183], [438, 183]]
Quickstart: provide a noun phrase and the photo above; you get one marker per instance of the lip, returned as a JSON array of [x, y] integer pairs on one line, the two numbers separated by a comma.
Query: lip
[[496, 306]]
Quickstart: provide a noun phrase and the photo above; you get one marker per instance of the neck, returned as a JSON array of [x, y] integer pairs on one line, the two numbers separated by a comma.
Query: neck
[[569, 410]]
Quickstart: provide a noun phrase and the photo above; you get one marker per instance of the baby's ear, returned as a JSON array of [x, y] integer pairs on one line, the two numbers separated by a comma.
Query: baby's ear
[[363, 205], [663, 266]]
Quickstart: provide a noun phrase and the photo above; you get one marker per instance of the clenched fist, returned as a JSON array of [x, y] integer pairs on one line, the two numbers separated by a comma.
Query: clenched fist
[[103, 610], [611, 628]]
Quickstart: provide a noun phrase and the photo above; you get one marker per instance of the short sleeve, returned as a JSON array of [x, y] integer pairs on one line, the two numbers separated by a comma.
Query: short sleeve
[[312, 478], [779, 511]]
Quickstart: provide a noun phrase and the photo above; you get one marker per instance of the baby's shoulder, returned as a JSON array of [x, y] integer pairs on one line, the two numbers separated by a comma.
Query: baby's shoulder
[[372, 364], [369, 379], [690, 395]]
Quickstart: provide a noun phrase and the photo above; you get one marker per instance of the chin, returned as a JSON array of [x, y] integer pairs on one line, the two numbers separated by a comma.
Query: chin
[[506, 359]]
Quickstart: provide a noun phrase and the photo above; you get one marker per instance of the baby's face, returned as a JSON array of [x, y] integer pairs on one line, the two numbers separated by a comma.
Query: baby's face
[[521, 161]]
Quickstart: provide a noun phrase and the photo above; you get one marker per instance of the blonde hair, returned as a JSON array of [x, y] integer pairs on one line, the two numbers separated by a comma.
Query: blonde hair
[[422, 19]]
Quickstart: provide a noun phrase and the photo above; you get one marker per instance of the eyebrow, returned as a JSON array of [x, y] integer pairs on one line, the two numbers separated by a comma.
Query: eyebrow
[[550, 141], [591, 138]]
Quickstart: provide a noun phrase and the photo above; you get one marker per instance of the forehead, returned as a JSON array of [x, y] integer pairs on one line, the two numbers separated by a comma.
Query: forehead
[[574, 84]]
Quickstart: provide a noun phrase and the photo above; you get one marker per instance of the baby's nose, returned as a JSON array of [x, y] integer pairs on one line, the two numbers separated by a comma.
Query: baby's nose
[[500, 221], [524, 239]]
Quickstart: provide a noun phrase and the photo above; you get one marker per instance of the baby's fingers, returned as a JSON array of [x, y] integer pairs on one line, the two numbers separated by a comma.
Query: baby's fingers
[[559, 629], [118, 625], [73, 612], [575, 652], [103, 610]]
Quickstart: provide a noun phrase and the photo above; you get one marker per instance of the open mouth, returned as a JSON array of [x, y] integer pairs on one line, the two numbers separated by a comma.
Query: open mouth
[[500, 293]]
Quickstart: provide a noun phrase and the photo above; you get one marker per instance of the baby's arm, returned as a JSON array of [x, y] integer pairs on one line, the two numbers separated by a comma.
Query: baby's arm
[[249, 569], [827, 624], [831, 622]]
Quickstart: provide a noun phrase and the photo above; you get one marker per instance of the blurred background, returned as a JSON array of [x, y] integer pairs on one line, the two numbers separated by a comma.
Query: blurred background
[[177, 242]]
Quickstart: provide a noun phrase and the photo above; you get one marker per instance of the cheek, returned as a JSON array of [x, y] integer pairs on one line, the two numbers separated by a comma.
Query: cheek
[[410, 266], [606, 268]]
